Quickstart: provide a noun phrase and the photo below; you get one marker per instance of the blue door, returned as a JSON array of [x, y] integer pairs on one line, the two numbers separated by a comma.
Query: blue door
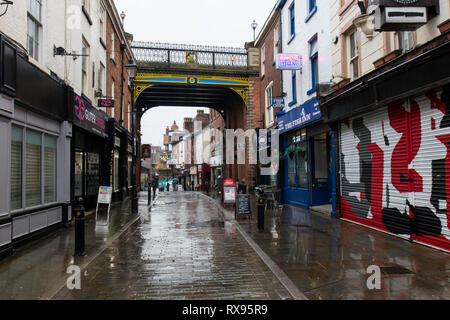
[[321, 169]]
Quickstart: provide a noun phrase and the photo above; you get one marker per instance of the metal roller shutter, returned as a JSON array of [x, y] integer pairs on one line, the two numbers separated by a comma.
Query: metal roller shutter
[[395, 166]]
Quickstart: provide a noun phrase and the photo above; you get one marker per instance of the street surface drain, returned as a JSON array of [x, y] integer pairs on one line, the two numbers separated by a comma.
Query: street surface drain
[[395, 270]]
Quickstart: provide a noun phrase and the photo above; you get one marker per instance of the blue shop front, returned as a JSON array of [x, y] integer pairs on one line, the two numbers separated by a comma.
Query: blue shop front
[[308, 159]]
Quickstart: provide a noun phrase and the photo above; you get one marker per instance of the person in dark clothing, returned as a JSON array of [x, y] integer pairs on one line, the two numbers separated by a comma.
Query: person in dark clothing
[[154, 186], [242, 188]]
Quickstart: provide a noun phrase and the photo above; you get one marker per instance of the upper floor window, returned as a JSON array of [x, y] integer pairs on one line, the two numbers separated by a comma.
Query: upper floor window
[[312, 4], [269, 99], [353, 55], [263, 60], [404, 40], [34, 27], [292, 19], [102, 26], [294, 87], [84, 66], [101, 78], [275, 43], [86, 5], [313, 58], [113, 46]]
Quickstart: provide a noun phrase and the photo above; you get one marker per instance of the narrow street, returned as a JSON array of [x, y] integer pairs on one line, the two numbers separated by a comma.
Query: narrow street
[[184, 250]]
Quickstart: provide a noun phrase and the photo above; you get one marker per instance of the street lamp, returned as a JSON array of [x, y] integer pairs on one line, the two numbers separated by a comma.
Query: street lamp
[[132, 70], [254, 25]]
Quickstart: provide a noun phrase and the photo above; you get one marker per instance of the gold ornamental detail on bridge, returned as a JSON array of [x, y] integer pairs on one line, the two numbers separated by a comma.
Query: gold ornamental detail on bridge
[[145, 80], [139, 89], [242, 92]]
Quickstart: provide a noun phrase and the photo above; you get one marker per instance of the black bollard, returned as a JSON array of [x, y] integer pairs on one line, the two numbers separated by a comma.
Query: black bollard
[[79, 227], [261, 207]]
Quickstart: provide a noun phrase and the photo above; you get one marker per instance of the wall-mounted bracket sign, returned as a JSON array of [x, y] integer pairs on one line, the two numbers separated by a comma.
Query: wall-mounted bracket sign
[[402, 15], [106, 103], [287, 61], [278, 102]]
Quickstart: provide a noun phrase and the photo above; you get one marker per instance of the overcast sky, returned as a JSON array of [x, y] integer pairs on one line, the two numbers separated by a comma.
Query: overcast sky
[[205, 22]]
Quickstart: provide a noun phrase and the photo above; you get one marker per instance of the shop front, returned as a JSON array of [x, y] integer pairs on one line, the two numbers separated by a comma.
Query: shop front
[[89, 151], [308, 159], [394, 146], [35, 150]]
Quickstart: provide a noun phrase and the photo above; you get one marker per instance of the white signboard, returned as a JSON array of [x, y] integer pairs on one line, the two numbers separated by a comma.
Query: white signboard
[[180, 188], [104, 195], [229, 194], [287, 61]]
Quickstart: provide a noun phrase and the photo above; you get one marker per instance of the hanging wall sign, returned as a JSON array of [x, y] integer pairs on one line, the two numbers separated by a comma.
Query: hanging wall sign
[[106, 103], [287, 61]]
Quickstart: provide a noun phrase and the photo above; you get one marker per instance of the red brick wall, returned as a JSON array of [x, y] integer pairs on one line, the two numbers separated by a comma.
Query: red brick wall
[[271, 73], [114, 73]]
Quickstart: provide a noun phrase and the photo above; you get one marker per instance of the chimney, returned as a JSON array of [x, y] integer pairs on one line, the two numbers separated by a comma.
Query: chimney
[[188, 125]]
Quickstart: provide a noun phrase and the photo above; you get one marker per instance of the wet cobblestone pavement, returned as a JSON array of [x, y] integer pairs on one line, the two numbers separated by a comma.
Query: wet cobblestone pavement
[[328, 258], [183, 250]]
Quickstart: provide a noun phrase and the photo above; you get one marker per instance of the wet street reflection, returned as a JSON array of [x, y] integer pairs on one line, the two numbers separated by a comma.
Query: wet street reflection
[[183, 251], [328, 258]]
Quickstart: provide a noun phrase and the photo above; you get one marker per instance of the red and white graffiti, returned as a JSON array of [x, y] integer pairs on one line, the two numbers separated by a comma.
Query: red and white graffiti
[[396, 168]]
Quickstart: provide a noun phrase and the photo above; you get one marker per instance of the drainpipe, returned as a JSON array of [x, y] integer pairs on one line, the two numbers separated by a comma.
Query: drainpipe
[[122, 50]]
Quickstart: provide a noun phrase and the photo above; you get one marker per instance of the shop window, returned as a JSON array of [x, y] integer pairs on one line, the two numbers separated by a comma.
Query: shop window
[[49, 169], [16, 168], [130, 170], [33, 169], [291, 172], [302, 165], [116, 170], [92, 173], [298, 160], [78, 174]]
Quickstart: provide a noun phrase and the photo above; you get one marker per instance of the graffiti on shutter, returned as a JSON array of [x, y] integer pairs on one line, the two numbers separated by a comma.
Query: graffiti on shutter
[[396, 168]]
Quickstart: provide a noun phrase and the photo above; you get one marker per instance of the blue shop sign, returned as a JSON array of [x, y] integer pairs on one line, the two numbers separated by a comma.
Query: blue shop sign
[[300, 116]]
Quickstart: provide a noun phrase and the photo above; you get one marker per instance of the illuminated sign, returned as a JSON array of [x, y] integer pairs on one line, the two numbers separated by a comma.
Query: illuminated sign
[[286, 61]]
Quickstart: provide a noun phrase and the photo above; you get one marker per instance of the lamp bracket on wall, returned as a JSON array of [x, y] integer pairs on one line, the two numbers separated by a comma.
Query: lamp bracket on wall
[[5, 3], [60, 51]]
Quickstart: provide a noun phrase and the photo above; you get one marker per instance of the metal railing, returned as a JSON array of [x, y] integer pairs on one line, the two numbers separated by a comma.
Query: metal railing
[[168, 53]]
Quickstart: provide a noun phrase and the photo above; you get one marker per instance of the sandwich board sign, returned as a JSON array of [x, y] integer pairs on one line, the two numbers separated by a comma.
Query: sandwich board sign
[[104, 197]]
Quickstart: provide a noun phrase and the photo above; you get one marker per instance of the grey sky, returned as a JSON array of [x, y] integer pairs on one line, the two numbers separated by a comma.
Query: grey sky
[[205, 22]]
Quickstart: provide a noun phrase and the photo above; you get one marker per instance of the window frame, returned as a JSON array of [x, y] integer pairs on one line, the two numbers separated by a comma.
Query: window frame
[[263, 60], [37, 21], [42, 166], [85, 49], [292, 21], [314, 63], [293, 87], [353, 59], [268, 110]]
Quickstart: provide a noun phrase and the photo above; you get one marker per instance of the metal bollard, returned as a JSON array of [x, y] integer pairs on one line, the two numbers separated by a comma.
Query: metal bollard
[[79, 227], [261, 207]]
